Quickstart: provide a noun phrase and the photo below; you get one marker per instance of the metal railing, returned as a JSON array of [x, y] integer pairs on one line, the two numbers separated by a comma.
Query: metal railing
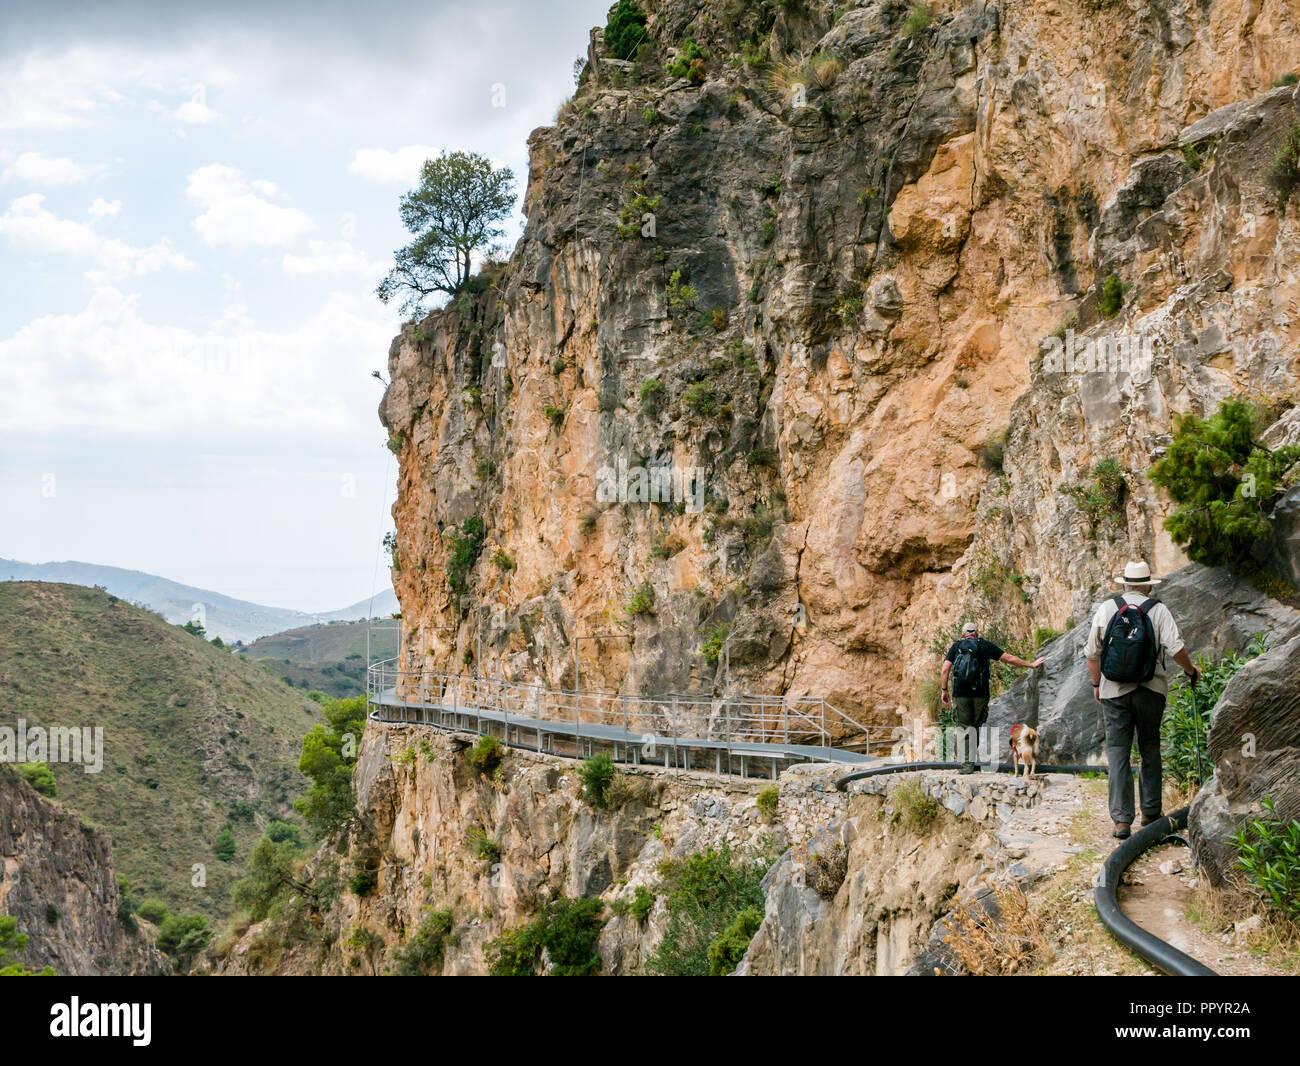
[[720, 720]]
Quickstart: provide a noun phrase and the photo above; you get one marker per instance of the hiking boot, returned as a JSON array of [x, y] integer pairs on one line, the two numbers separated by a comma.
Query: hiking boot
[[967, 768], [1147, 821], [1121, 831]]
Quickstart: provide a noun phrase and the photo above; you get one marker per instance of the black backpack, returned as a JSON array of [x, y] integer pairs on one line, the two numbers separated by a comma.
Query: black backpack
[[969, 668], [1129, 649]]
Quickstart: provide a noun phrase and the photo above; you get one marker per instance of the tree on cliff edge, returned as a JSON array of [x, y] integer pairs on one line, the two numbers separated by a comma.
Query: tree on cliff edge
[[456, 211]]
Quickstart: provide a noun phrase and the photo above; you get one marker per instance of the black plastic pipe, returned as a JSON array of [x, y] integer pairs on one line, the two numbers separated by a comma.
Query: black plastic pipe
[[1165, 957], [1003, 767]]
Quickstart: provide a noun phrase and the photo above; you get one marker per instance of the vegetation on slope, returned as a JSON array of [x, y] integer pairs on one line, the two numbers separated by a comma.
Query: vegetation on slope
[[707, 895], [1225, 482], [330, 659], [1185, 727], [195, 742]]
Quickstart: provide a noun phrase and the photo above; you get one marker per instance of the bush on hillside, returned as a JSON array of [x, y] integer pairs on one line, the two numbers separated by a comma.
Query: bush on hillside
[[423, 953], [568, 930], [40, 777], [328, 753], [465, 545], [625, 29], [597, 775], [1225, 481], [1268, 850], [704, 894], [729, 948], [184, 936], [486, 755]]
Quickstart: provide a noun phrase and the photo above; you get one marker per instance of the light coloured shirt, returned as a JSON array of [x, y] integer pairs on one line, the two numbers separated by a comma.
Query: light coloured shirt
[[1167, 635]]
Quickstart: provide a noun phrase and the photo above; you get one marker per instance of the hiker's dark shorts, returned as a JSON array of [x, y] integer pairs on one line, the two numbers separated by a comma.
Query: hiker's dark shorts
[[970, 710]]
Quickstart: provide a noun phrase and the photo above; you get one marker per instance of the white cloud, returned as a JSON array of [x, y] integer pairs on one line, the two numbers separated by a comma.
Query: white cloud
[[35, 168], [338, 257], [380, 164], [43, 91], [107, 369], [102, 208], [234, 214], [30, 227], [195, 112]]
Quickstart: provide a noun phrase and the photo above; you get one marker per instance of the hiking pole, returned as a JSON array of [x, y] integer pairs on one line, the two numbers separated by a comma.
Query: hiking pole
[[1196, 713]]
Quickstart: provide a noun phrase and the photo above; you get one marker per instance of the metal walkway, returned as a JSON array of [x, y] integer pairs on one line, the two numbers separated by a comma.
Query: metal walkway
[[746, 735]]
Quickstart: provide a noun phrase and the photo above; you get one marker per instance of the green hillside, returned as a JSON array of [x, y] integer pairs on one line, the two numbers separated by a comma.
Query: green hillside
[[331, 658], [194, 738]]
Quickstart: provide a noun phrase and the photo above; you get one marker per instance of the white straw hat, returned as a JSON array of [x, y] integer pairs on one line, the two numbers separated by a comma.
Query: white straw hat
[[1136, 574]]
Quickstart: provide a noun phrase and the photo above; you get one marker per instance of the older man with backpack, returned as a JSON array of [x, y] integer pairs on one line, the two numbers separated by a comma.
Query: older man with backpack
[[967, 666], [1130, 639]]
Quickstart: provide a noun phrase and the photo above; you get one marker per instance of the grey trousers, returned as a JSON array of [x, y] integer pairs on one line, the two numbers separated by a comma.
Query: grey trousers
[[1137, 712], [969, 713]]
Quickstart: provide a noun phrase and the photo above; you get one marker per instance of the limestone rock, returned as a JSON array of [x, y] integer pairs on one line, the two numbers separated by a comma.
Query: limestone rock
[[54, 866], [1255, 745]]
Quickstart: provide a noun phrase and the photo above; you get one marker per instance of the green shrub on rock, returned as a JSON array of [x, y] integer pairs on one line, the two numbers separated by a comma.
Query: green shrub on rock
[[597, 775], [726, 952], [1269, 852], [1225, 482]]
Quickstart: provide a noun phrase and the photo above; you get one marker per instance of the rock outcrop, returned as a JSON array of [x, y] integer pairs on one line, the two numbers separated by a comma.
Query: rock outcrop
[[884, 918], [57, 879], [493, 850], [1255, 745], [822, 347]]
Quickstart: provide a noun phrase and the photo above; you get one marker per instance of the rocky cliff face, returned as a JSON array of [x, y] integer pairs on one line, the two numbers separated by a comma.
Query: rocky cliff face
[[1255, 745], [57, 879], [809, 284], [899, 877], [492, 850]]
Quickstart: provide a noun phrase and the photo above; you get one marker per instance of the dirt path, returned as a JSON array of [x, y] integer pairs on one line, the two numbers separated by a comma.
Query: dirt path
[[1156, 899], [1155, 893]]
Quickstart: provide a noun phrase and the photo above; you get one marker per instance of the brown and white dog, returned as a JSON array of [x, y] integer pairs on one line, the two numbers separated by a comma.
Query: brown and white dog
[[1024, 749]]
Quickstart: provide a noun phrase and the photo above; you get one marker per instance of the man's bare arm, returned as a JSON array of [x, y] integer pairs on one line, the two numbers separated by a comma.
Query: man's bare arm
[[1012, 660], [943, 680]]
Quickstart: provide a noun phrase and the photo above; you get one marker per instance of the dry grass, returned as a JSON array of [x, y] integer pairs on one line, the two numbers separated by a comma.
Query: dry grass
[[784, 76], [1077, 941], [829, 868], [230, 936], [913, 810], [988, 946], [825, 68], [1217, 911], [826, 868]]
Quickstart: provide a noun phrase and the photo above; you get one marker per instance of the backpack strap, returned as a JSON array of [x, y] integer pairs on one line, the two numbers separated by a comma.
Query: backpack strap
[[1146, 605], [1120, 602]]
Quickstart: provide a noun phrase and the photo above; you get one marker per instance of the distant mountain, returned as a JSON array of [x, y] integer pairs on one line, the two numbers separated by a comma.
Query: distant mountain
[[382, 605], [331, 658], [223, 616]]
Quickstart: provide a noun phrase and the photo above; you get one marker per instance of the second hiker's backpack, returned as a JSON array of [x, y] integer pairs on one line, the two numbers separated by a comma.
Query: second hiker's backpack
[[968, 666], [1129, 649]]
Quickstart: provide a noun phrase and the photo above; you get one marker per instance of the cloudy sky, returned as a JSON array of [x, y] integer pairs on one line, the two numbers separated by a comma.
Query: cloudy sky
[[196, 204]]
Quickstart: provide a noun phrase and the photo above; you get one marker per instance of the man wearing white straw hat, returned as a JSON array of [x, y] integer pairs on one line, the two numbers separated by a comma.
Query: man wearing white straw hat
[[1132, 636]]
